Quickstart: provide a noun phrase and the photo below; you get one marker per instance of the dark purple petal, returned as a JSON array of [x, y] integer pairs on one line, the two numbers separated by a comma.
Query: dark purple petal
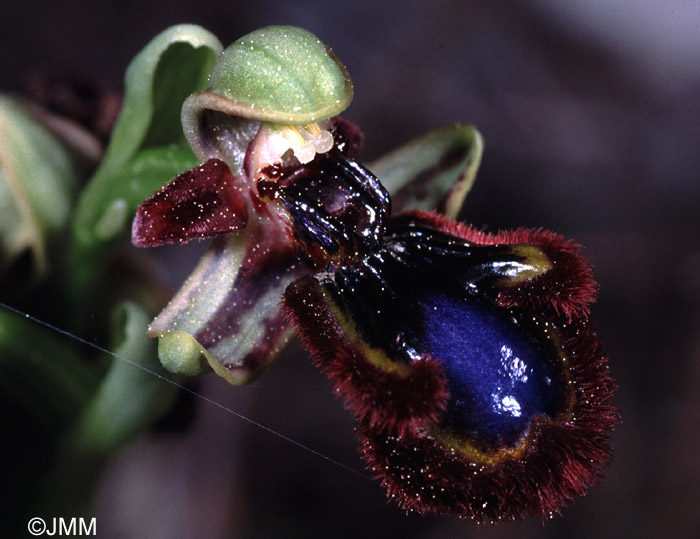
[[200, 203]]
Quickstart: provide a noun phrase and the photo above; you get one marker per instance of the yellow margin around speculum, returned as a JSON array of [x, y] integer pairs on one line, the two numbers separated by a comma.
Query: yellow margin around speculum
[[375, 356], [450, 440], [490, 458]]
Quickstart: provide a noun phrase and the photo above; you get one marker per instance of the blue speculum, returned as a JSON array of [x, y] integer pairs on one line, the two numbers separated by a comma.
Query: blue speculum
[[499, 376], [431, 295]]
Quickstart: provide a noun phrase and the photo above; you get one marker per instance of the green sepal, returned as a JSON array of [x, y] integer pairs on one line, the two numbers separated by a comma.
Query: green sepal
[[282, 74], [434, 171], [228, 316], [180, 353], [278, 74]]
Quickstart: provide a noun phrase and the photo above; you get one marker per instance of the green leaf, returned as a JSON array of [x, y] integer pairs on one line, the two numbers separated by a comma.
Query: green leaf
[[44, 385], [38, 177], [130, 396], [174, 64], [434, 171], [133, 394], [41, 377]]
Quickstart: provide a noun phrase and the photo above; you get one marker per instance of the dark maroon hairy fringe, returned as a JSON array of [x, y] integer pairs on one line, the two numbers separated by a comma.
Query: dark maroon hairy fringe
[[567, 290], [377, 398], [558, 464]]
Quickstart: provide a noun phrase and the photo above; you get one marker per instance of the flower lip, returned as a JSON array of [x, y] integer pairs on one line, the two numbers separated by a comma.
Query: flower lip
[[381, 307], [471, 398], [556, 462]]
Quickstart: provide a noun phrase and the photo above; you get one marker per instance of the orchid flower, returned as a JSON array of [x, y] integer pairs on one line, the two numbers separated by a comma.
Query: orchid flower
[[478, 386]]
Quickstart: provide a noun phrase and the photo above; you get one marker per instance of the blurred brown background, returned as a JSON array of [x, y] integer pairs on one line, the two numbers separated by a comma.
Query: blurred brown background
[[591, 114]]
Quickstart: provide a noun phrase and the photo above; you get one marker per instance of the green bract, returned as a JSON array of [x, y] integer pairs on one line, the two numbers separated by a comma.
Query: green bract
[[146, 147], [278, 74]]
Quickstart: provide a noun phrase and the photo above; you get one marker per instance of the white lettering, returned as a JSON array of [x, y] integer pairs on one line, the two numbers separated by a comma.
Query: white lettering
[[90, 530], [69, 527]]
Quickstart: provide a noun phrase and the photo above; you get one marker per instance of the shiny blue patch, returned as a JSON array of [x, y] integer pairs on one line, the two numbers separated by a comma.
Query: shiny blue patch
[[499, 376]]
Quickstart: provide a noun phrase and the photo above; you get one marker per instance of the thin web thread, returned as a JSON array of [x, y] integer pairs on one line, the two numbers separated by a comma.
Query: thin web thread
[[182, 387]]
